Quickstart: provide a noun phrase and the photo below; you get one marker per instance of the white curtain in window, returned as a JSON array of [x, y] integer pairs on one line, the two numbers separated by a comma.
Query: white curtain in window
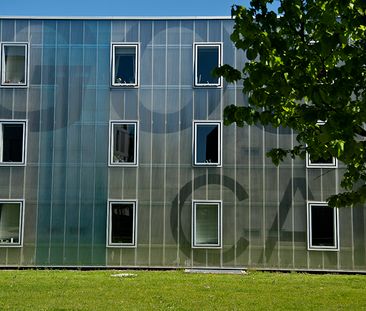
[[9, 222], [14, 64], [117, 63], [1, 143], [207, 224]]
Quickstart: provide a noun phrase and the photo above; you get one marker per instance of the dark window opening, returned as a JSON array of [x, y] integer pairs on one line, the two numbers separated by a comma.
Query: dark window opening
[[12, 143], [328, 160], [322, 226], [122, 215], [124, 140], [125, 65], [207, 61], [207, 144]]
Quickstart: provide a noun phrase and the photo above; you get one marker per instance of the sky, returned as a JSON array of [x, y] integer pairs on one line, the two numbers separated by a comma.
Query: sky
[[118, 7]]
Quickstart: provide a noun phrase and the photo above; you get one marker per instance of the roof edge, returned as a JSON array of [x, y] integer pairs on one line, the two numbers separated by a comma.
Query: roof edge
[[117, 17]]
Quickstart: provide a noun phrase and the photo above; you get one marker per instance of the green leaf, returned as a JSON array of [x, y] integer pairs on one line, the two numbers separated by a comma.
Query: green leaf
[[251, 54]]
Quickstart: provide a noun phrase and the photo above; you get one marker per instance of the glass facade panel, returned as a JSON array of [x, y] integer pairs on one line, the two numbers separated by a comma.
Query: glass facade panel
[[255, 214]]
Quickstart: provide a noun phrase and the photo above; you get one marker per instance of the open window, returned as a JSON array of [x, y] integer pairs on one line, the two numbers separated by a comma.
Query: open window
[[207, 143], [207, 57], [11, 222], [123, 143], [12, 142], [323, 227], [125, 64], [206, 224], [14, 64], [122, 224]]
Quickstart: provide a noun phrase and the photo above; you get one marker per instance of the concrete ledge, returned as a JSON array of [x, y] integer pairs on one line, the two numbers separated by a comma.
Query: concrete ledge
[[216, 271]]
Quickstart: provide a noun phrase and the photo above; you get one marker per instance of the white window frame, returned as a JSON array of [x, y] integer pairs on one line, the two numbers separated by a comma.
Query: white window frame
[[196, 46], [25, 131], [111, 143], [312, 247], [135, 45], [309, 164], [219, 227], [21, 222], [26, 69], [109, 224], [196, 123]]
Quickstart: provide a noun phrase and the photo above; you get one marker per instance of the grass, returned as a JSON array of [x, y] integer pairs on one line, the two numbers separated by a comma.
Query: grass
[[176, 290]]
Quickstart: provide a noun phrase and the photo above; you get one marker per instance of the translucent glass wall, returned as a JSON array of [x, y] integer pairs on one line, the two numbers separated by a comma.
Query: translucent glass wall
[[66, 183]]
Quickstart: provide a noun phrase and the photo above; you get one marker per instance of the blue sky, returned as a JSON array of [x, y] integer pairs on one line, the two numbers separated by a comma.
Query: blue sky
[[118, 7]]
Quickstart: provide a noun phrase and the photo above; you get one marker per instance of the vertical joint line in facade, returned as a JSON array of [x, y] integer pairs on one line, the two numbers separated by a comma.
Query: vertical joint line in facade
[[179, 142], [39, 152], [278, 203], [264, 194], [67, 143], [152, 137], [81, 153], [292, 204], [165, 140], [53, 153]]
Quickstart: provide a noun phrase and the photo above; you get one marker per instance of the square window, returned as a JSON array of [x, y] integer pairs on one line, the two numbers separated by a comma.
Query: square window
[[122, 223], [14, 64], [206, 226], [207, 58], [322, 227], [123, 143], [207, 143], [125, 64], [12, 142], [11, 222]]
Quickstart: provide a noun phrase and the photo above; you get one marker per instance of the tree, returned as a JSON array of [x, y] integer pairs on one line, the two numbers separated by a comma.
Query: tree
[[305, 64]]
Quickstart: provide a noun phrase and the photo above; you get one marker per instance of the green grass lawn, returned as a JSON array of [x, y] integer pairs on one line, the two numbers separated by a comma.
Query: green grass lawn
[[176, 290]]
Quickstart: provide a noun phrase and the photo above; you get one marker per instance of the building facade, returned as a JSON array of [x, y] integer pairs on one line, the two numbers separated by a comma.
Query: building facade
[[113, 153]]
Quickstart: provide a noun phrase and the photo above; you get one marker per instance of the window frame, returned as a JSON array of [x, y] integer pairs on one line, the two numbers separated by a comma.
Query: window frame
[[309, 164], [25, 139], [26, 69], [109, 224], [196, 123], [196, 46], [135, 45], [111, 143], [312, 247], [194, 244], [21, 203]]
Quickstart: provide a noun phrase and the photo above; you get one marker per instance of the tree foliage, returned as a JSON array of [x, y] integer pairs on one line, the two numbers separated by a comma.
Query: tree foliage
[[306, 63]]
